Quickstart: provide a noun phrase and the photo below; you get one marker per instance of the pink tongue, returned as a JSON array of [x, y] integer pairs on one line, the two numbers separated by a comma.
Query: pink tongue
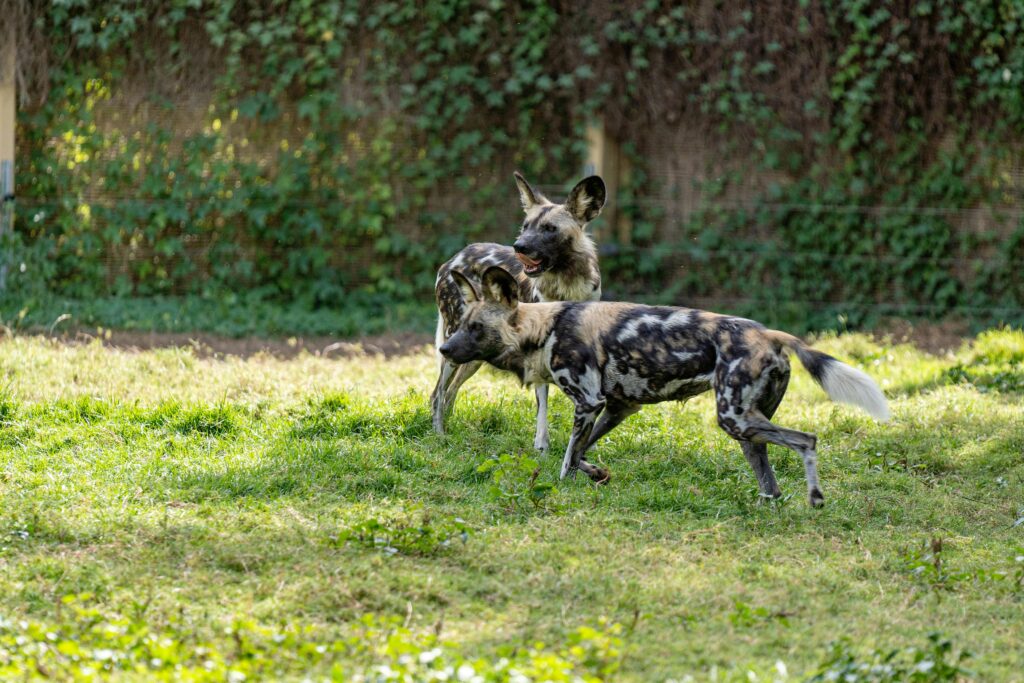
[[527, 261]]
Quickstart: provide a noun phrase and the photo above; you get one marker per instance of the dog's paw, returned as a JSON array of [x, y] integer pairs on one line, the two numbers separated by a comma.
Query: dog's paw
[[816, 498]]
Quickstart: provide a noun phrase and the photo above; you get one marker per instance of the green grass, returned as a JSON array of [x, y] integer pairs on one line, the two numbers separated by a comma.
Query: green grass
[[227, 315], [162, 514]]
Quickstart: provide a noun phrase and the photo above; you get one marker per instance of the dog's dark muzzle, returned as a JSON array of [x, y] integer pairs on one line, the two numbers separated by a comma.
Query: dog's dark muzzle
[[528, 255], [455, 352]]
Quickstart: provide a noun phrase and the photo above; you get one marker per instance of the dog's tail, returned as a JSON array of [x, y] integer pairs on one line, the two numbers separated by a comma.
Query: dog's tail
[[840, 381]]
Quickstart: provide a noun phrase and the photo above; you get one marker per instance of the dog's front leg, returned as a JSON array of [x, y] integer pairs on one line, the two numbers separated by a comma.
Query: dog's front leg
[[583, 423], [540, 441]]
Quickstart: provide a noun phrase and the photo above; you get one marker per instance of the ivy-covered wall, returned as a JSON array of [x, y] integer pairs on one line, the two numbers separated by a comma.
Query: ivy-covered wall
[[795, 160]]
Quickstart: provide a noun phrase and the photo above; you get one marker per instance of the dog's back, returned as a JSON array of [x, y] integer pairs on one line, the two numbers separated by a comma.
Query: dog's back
[[647, 354]]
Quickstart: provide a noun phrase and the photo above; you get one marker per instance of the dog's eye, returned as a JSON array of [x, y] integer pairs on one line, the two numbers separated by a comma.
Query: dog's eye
[[548, 227], [475, 327]]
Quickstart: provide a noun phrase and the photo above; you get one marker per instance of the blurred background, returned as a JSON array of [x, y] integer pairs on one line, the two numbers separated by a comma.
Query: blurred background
[[301, 166]]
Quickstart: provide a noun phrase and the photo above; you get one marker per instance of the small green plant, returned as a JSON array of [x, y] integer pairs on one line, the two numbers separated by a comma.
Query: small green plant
[[1018, 569], [927, 565], [936, 662], [744, 615], [597, 648], [1013, 574], [1006, 379], [8, 411], [516, 485], [414, 532]]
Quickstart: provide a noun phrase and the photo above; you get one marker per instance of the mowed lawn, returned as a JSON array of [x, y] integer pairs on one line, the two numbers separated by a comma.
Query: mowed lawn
[[167, 515]]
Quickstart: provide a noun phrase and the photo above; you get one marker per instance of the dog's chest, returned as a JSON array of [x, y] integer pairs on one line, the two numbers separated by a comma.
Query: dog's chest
[[568, 289], [535, 371]]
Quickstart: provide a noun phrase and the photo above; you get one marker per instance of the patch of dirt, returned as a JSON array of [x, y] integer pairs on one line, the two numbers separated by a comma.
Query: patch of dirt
[[934, 337], [214, 346]]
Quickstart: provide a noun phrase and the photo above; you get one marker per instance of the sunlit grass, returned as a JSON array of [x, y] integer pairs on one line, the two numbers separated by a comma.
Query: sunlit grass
[[180, 490]]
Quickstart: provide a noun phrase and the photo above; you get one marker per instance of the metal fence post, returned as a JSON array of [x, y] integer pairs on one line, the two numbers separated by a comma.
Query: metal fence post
[[8, 110], [6, 215]]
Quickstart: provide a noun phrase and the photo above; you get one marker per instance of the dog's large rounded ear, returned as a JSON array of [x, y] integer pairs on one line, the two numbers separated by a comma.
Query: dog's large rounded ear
[[586, 199], [527, 195], [501, 287], [469, 292]]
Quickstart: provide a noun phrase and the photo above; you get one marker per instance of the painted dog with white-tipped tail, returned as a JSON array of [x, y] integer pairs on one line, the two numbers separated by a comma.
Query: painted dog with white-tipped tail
[[611, 358]]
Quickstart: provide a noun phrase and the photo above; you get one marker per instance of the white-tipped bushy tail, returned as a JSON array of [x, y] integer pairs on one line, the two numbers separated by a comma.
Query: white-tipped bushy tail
[[841, 382], [849, 385]]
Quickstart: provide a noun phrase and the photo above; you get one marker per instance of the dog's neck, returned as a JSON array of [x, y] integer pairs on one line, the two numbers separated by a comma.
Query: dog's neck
[[524, 343], [533, 323], [578, 276]]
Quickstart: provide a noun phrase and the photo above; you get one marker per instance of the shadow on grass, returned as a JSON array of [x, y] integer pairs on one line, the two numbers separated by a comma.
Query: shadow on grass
[[210, 420]]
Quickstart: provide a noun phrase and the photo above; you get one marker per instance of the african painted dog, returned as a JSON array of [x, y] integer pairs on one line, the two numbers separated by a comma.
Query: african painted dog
[[611, 358], [553, 259]]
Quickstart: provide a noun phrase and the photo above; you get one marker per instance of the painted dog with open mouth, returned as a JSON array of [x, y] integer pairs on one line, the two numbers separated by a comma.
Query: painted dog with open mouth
[[553, 259], [611, 358]]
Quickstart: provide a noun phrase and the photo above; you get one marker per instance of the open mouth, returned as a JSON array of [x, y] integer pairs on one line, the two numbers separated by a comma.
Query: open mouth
[[531, 266]]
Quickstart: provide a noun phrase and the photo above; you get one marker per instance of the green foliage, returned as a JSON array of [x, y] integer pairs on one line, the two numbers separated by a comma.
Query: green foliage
[[926, 564], [995, 362], [288, 187], [340, 147], [934, 663], [90, 644], [1017, 574], [412, 532], [744, 615], [994, 347], [516, 484]]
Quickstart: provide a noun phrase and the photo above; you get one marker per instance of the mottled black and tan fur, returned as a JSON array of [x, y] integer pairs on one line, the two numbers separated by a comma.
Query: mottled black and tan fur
[[553, 259], [612, 358]]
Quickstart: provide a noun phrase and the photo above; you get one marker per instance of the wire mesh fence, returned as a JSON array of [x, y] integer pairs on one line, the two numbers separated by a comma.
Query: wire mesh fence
[[673, 256]]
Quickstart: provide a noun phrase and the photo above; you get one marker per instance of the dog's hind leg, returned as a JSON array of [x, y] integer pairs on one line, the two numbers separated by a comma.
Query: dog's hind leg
[[757, 453], [540, 440], [611, 418], [757, 456], [755, 427], [583, 422], [742, 386]]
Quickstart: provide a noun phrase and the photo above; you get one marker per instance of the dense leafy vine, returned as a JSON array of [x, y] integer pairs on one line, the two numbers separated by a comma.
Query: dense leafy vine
[[305, 149]]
